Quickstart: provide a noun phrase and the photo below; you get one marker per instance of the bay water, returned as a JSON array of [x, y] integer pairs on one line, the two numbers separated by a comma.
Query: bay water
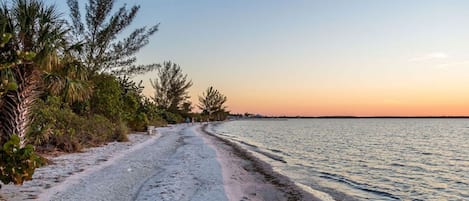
[[363, 158]]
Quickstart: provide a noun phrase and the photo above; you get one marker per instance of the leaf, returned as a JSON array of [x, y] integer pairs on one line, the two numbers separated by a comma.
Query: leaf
[[5, 38], [28, 56], [11, 86]]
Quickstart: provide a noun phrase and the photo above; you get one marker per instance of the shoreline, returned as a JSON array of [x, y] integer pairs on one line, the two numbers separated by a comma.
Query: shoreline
[[261, 172]]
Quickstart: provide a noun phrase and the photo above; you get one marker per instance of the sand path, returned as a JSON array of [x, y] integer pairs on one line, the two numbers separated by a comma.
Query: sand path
[[177, 166]]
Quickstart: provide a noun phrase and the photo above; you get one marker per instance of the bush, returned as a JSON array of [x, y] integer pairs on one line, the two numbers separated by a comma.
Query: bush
[[130, 105], [55, 126], [106, 99], [172, 118], [139, 122], [120, 132], [17, 163]]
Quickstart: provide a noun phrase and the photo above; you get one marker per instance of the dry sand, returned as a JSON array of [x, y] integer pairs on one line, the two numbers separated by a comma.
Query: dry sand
[[181, 162]]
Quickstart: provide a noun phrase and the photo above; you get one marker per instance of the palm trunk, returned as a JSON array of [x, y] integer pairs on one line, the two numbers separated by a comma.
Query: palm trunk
[[15, 115]]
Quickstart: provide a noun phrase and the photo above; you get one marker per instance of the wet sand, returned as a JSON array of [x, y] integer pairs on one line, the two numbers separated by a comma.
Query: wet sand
[[248, 178]]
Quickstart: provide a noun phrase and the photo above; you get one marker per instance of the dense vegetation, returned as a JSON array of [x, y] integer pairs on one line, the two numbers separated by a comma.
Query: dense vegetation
[[65, 83]]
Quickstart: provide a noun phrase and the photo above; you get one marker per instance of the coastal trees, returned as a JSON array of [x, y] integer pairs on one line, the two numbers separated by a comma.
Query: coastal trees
[[171, 88], [108, 58], [98, 37], [212, 104]]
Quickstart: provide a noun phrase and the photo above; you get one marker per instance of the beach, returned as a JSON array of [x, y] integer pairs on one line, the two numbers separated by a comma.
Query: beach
[[180, 162]]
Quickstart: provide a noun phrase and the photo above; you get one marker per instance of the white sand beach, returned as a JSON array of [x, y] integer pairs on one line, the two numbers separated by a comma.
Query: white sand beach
[[180, 162]]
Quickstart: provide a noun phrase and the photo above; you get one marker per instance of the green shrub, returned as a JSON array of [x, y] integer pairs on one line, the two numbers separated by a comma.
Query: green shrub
[[172, 118], [106, 99], [17, 163], [55, 126], [139, 122], [130, 104], [158, 122], [120, 132]]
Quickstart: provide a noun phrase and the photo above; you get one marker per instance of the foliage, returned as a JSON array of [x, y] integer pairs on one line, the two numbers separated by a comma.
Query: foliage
[[171, 117], [17, 163], [186, 109], [6, 83], [106, 99], [130, 86], [120, 132], [147, 114], [171, 87], [121, 100], [131, 94], [56, 126], [212, 104], [130, 102], [102, 52], [68, 79], [151, 111], [37, 35]]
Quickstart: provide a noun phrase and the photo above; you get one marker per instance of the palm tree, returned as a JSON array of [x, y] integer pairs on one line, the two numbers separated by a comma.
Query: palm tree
[[68, 79], [37, 31]]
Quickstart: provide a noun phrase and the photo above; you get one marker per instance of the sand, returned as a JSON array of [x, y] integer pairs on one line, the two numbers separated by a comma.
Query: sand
[[182, 162]]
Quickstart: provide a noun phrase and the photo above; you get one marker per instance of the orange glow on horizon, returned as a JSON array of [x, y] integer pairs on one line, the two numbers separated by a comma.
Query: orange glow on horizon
[[361, 103]]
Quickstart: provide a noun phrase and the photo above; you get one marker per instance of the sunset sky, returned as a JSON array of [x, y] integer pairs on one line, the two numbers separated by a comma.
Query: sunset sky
[[277, 57]]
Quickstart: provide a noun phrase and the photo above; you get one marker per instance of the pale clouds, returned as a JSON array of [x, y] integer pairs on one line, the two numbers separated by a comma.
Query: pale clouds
[[464, 63], [430, 56]]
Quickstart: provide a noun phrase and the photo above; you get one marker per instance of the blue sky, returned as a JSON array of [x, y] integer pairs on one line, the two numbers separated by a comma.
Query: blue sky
[[343, 57]]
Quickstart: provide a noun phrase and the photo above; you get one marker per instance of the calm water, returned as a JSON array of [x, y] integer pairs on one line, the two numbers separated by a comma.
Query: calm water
[[375, 159]]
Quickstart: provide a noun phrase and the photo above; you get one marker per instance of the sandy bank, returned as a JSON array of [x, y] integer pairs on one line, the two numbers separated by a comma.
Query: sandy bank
[[248, 178]]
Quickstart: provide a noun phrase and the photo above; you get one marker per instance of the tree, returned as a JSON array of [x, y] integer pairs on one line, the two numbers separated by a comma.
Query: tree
[[37, 34], [98, 34], [212, 103], [171, 87], [186, 108], [68, 79]]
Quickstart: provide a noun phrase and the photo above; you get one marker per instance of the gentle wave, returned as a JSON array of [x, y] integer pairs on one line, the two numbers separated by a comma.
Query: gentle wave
[[256, 149], [357, 185]]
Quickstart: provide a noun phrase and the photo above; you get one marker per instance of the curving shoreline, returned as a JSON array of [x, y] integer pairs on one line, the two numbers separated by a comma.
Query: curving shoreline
[[275, 186]]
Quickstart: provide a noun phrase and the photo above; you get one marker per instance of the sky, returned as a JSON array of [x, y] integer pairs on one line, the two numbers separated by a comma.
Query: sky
[[316, 58]]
